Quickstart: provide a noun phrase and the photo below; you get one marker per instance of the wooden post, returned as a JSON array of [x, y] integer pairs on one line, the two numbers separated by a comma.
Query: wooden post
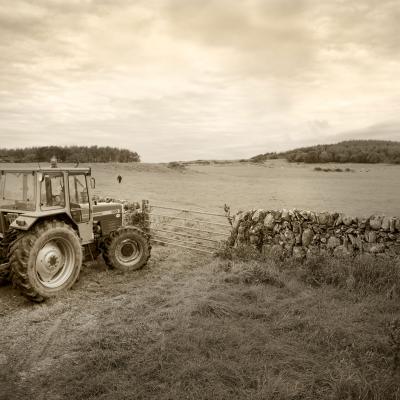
[[146, 215]]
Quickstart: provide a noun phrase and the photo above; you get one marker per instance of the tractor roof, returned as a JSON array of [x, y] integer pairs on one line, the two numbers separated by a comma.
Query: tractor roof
[[72, 170]]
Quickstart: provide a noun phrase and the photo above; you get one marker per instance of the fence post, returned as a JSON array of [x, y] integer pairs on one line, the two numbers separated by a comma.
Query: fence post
[[146, 215]]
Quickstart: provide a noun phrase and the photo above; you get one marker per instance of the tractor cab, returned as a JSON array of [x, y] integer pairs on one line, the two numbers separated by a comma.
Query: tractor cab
[[29, 195]]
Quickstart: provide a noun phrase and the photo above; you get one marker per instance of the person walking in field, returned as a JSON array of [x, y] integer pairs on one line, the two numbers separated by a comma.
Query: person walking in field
[[119, 178]]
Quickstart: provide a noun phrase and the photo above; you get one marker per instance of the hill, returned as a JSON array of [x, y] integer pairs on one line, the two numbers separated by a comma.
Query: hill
[[69, 154], [350, 151]]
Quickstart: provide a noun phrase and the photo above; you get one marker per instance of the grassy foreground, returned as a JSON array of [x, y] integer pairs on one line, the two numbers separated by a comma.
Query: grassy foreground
[[189, 327]]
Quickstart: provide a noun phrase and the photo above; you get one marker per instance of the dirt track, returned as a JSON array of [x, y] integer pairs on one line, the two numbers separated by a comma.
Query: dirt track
[[36, 339]]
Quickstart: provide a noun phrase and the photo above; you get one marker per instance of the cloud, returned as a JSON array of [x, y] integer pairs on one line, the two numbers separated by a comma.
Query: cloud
[[256, 37], [176, 79]]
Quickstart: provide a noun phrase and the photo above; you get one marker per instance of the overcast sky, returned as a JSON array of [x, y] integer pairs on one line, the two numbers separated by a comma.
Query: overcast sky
[[191, 79]]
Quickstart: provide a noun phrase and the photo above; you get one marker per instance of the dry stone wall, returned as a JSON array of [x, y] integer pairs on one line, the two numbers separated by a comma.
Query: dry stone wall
[[299, 233]]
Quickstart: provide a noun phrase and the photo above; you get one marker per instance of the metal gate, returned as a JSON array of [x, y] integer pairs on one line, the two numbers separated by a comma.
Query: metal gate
[[196, 230]]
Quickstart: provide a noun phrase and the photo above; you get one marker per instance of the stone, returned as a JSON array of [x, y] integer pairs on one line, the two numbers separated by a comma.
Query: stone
[[246, 215], [258, 215], [277, 228], [312, 251], [385, 224], [313, 217], [289, 235], [297, 228], [339, 220], [395, 249], [286, 225], [392, 224], [285, 215], [347, 220], [305, 214], [370, 236], [316, 229], [323, 252], [254, 239], [362, 223], [341, 251], [288, 250], [359, 243], [266, 249], [333, 242], [375, 222], [307, 237], [277, 215], [377, 248], [397, 223], [323, 218], [256, 229], [269, 221], [298, 253]]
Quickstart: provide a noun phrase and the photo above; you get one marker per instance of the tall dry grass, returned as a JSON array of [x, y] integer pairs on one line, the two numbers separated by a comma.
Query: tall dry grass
[[238, 327]]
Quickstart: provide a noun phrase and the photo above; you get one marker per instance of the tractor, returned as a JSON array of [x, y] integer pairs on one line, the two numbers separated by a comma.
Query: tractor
[[49, 224]]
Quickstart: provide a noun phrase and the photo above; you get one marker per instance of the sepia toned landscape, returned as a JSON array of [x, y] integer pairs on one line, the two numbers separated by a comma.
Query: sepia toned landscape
[[199, 200]]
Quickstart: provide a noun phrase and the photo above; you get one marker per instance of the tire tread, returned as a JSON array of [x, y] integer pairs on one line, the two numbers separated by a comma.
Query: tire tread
[[19, 257]]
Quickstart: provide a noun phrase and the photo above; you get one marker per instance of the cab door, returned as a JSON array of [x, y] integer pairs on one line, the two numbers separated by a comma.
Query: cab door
[[80, 206]]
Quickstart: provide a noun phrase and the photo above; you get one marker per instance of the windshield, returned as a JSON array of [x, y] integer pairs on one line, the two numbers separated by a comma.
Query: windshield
[[17, 191]]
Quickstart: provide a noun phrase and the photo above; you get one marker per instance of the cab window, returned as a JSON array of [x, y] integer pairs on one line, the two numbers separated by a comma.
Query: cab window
[[17, 191], [52, 191], [79, 198]]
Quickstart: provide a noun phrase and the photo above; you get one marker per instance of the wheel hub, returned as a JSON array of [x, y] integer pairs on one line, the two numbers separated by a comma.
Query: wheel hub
[[49, 261], [127, 251]]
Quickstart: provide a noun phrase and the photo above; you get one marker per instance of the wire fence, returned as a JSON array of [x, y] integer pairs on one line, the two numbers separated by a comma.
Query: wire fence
[[196, 230]]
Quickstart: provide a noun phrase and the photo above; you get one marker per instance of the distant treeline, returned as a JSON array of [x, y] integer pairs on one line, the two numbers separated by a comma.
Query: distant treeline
[[69, 154], [351, 151]]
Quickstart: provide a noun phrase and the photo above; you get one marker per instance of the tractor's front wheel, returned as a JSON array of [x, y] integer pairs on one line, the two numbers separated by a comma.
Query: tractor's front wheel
[[46, 260], [126, 249]]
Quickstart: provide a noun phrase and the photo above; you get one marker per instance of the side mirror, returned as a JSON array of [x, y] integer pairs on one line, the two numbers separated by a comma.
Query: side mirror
[[92, 183]]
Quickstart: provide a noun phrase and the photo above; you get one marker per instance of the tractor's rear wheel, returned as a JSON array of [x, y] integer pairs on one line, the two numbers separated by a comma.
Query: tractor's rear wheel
[[126, 249], [46, 260]]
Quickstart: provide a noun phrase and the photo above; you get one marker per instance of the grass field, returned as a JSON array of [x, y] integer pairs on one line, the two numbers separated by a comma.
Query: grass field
[[190, 326], [277, 184]]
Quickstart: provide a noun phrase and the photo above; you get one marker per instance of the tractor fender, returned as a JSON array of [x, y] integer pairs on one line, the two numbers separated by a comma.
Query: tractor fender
[[26, 221], [23, 222]]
